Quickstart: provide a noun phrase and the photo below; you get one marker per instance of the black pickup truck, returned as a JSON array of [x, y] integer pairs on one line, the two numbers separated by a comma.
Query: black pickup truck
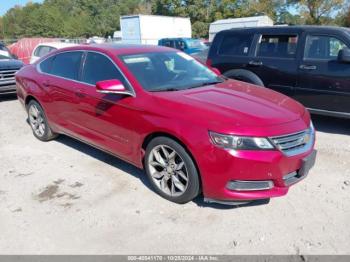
[[308, 63], [8, 67]]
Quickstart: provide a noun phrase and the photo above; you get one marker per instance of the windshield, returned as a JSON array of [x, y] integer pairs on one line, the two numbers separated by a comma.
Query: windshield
[[195, 43], [4, 53], [169, 71]]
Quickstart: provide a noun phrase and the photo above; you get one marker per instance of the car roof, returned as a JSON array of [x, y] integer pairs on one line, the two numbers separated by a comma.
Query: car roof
[[57, 45], [286, 29], [119, 49], [178, 38]]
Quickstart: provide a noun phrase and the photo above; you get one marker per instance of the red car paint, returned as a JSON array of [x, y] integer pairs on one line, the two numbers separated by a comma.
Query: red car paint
[[122, 125]]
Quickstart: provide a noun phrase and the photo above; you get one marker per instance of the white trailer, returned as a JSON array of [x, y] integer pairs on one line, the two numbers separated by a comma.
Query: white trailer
[[148, 29], [225, 24]]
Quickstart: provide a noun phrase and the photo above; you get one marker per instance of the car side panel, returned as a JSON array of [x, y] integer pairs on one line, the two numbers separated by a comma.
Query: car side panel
[[108, 120], [277, 74], [327, 86], [228, 62]]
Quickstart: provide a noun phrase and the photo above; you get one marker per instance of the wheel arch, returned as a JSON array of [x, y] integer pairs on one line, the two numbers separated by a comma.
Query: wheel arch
[[30, 98], [244, 74], [153, 135]]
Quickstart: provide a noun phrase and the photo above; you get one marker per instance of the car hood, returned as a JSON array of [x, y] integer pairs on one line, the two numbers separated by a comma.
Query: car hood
[[10, 64], [233, 102], [195, 50]]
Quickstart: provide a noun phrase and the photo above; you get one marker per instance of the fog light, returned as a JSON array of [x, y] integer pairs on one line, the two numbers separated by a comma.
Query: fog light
[[239, 185]]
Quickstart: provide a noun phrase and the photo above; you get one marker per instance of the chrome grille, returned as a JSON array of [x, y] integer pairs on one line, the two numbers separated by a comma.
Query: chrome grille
[[293, 144], [7, 76]]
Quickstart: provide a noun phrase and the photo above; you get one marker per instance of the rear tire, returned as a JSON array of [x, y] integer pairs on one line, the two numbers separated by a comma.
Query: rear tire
[[171, 170], [38, 122], [245, 76]]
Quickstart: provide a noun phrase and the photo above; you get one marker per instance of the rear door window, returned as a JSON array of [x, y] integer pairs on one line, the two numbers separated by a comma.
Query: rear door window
[[37, 51], [281, 46], [169, 43], [236, 44], [45, 66], [43, 50], [67, 65], [322, 47]]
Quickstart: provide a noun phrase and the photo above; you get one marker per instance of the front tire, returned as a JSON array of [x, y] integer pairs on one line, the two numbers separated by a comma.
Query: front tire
[[38, 122], [171, 170]]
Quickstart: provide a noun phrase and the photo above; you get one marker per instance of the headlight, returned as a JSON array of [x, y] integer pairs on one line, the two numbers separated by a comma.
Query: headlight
[[240, 142]]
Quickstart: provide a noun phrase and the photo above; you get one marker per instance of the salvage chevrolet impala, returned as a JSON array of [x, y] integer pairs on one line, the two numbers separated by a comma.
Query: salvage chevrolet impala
[[159, 109]]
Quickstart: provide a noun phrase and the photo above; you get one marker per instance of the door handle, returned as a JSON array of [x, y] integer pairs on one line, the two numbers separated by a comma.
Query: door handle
[[80, 95], [255, 63], [308, 67], [46, 83]]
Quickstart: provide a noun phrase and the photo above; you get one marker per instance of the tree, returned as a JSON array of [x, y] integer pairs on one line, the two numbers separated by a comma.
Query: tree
[[347, 19], [2, 36], [261, 7], [85, 18], [70, 18], [318, 11]]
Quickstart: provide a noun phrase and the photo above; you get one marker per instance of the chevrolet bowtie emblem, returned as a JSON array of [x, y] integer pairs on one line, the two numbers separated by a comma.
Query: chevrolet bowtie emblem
[[306, 138]]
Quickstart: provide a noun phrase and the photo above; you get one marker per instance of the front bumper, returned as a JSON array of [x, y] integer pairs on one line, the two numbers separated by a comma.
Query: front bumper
[[8, 89], [230, 171]]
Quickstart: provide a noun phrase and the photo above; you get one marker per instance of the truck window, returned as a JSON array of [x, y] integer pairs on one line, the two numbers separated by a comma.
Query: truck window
[[180, 45], [238, 45], [282, 46], [322, 47], [169, 43]]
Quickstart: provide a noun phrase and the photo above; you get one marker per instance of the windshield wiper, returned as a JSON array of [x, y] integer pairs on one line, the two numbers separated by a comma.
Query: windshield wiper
[[165, 89], [184, 88], [207, 84]]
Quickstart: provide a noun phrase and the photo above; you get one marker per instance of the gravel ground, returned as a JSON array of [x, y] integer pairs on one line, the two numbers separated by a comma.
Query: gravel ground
[[64, 197]]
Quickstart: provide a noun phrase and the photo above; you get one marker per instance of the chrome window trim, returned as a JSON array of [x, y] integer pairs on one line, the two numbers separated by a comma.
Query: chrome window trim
[[132, 91], [328, 113]]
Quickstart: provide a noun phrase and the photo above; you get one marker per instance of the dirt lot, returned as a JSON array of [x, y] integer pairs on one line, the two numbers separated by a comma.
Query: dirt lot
[[64, 197]]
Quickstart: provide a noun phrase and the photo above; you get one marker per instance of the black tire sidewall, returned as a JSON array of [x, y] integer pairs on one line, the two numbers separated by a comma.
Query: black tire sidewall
[[245, 76], [48, 135], [193, 187]]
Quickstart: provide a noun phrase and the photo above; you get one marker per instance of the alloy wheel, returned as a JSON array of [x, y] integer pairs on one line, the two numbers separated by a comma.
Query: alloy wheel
[[36, 120], [168, 170]]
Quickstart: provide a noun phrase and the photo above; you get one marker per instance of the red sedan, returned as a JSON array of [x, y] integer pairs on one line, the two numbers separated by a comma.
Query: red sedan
[[159, 109]]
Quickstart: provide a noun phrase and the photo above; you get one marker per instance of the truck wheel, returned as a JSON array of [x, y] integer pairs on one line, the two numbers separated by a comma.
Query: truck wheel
[[245, 76]]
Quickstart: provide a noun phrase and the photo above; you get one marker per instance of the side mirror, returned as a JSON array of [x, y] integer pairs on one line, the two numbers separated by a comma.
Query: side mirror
[[216, 71], [344, 55], [113, 86]]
